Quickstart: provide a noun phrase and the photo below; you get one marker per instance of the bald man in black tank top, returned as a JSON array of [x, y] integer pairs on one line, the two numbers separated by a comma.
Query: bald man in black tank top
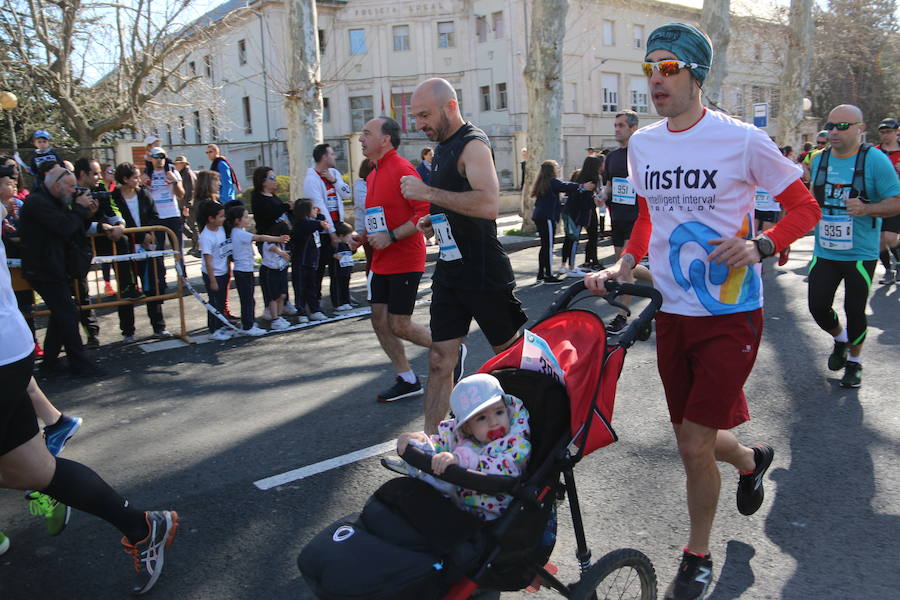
[[473, 277]]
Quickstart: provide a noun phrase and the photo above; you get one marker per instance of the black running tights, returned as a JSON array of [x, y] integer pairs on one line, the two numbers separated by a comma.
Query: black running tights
[[547, 230], [824, 278], [80, 487]]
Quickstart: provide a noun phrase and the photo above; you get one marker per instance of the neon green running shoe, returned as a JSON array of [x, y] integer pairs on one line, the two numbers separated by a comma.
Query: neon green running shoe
[[56, 513], [4, 543]]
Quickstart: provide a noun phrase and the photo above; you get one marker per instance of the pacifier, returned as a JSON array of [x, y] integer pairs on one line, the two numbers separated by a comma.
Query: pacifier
[[496, 434]]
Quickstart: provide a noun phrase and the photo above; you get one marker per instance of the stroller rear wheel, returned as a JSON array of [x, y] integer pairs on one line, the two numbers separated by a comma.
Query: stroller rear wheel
[[623, 573]]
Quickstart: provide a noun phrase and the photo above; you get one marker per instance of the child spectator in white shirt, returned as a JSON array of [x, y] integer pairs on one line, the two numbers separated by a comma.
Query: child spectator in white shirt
[[273, 275], [237, 219], [343, 267], [215, 248]]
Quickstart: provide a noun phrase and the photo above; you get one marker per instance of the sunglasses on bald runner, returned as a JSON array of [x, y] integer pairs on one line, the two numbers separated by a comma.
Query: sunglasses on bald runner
[[669, 67], [842, 126]]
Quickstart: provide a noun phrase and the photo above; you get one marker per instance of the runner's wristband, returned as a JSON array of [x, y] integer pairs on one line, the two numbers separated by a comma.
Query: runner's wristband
[[391, 235]]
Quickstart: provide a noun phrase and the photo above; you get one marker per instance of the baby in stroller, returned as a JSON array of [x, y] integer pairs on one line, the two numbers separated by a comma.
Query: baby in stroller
[[489, 434]]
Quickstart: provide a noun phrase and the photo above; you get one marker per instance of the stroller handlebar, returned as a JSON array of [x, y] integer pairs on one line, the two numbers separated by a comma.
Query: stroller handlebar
[[467, 478], [638, 327]]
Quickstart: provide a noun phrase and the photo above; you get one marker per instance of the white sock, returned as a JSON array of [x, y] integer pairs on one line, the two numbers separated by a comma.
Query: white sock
[[842, 336], [856, 359], [407, 376]]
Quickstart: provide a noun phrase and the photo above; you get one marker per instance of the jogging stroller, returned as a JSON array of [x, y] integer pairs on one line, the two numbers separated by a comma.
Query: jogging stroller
[[411, 542]]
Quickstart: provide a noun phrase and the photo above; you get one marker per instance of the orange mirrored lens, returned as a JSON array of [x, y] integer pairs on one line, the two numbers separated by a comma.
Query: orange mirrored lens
[[666, 68]]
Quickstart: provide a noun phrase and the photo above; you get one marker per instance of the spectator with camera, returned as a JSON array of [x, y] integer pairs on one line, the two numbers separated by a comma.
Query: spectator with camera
[[54, 249]]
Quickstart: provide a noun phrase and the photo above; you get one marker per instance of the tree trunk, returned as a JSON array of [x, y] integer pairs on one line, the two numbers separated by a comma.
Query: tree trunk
[[303, 100], [715, 20], [543, 72], [795, 75]]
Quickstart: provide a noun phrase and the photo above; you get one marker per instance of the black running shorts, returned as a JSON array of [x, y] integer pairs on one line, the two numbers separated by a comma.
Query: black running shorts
[[18, 423], [498, 313], [397, 290], [621, 232], [891, 224]]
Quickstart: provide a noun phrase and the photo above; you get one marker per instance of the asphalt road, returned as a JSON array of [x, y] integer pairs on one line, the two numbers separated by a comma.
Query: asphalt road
[[192, 428]]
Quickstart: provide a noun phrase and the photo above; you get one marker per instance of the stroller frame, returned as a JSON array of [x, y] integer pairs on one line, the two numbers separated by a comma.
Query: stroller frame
[[537, 491]]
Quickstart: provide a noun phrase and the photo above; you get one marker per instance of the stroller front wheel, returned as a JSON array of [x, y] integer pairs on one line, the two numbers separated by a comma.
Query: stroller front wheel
[[623, 573]]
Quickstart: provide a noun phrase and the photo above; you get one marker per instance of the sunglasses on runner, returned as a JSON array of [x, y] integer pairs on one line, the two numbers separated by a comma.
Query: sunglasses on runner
[[271, 177], [842, 126], [669, 67]]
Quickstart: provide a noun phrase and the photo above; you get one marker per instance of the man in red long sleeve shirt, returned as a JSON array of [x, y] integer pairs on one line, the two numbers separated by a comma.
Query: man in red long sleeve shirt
[[695, 174], [399, 253]]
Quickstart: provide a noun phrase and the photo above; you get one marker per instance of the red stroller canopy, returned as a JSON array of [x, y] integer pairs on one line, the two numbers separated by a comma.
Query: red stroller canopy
[[578, 340]]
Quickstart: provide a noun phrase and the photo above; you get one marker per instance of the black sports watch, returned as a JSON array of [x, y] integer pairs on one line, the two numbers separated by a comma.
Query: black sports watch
[[764, 245]]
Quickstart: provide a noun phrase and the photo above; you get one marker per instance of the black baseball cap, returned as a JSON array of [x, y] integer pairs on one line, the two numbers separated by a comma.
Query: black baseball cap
[[889, 123]]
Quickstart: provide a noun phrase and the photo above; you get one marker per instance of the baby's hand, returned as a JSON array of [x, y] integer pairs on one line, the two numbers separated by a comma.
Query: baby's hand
[[441, 461]]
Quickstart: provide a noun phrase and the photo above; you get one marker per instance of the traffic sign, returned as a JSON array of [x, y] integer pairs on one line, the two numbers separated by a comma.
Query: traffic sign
[[761, 114]]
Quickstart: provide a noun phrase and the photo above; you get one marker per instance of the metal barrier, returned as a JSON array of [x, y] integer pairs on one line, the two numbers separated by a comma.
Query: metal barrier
[[114, 259]]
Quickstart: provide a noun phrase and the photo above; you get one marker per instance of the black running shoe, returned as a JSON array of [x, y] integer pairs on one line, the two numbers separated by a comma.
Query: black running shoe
[[852, 375], [460, 367], [552, 279], [838, 357], [750, 492], [400, 389], [890, 277], [693, 579], [617, 325]]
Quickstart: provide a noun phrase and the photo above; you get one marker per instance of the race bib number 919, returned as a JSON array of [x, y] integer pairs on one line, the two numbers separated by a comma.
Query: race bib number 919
[[375, 221]]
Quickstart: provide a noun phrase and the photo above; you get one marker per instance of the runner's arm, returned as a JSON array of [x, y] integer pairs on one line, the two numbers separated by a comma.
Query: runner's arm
[[639, 241], [482, 202], [802, 212], [888, 207]]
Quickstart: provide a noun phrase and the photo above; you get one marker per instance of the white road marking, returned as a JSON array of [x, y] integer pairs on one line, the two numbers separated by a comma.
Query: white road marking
[[325, 465]]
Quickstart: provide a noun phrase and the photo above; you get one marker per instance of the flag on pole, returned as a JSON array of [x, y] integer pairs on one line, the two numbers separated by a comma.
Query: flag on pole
[[392, 115], [403, 113], [382, 101]]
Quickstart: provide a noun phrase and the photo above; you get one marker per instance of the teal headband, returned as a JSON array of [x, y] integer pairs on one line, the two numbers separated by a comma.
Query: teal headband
[[687, 43]]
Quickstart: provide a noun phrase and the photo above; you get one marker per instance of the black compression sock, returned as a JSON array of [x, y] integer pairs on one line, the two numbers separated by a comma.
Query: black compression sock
[[887, 259], [896, 252], [80, 487]]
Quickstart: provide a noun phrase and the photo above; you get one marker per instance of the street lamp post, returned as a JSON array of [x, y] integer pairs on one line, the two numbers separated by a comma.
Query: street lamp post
[[8, 101]]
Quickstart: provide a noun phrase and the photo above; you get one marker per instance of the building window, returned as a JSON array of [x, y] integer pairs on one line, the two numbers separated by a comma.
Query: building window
[[198, 133], [182, 126], [609, 33], [169, 135], [249, 167], [739, 102], [499, 26], [501, 96], [481, 28], [213, 125], [248, 117], [757, 52], [459, 101], [326, 111], [638, 36], [639, 95], [321, 41], [774, 102], [401, 38], [360, 112], [610, 93], [207, 62], [757, 94], [446, 35], [571, 91], [242, 52], [357, 41], [192, 68], [485, 92]]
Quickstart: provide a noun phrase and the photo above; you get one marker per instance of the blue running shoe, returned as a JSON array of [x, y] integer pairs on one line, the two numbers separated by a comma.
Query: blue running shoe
[[56, 435]]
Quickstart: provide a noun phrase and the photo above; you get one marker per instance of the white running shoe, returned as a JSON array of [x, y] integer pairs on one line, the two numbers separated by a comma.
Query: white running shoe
[[318, 316], [280, 323], [575, 273], [289, 309], [221, 334], [303, 319], [343, 308], [254, 331]]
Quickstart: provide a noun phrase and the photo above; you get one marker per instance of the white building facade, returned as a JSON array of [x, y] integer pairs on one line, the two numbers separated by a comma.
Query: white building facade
[[374, 53]]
